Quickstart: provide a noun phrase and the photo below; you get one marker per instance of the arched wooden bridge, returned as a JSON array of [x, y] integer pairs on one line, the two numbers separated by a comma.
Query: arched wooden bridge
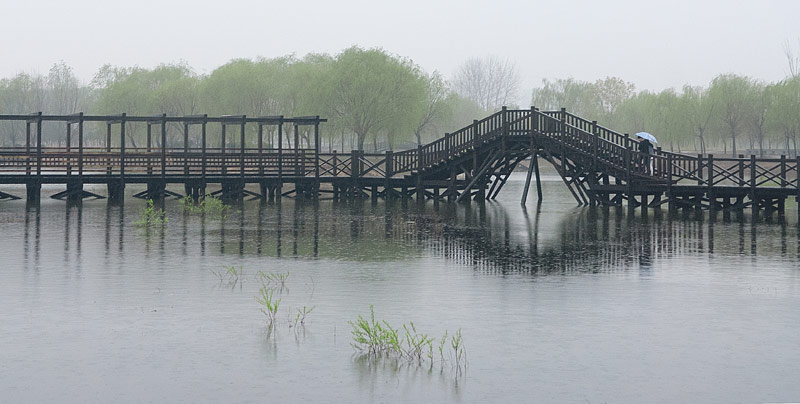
[[598, 165]]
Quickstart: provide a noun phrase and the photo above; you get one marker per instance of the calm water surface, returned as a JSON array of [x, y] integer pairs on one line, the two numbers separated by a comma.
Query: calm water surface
[[557, 304]]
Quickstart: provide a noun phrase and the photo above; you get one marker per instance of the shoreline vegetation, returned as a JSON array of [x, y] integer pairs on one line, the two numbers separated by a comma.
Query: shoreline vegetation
[[375, 100]]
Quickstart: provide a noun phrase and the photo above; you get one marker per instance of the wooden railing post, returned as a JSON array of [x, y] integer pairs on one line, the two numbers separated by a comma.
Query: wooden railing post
[[203, 151], [164, 147], [296, 150], [122, 147], [388, 172], [260, 149], [753, 201], [741, 182], [39, 144], [699, 169], [316, 154], [475, 134], [80, 146], [783, 171], [241, 146], [185, 149], [69, 143], [420, 163], [595, 146], [354, 163], [669, 178], [224, 168], [710, 190], [28, 148], [108, 148], [149, 147]]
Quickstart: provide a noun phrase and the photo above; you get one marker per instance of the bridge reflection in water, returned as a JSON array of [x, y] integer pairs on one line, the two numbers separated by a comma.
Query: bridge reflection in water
[[490, 238]]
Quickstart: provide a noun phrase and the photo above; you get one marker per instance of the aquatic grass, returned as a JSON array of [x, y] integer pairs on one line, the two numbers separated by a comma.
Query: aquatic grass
[[378, 339], [230, 276], [269, 304], [278, 279], [302, 314], [151, 215], [208, 205]]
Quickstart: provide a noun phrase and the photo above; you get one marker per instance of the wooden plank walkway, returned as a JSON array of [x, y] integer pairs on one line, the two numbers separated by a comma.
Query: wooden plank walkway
[[599, 166]]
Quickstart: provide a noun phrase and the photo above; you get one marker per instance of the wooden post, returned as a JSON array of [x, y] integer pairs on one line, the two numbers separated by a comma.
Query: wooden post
[[260, 149], [296, 150], [754, 202], [783, 171], [185, 150], [629, 186], [122, 147], [39, 144], [797, 183], [419, 191], [222, 149], [280, 158], [388, 165], [316, 156], [164, 147], [669, 181], [710, 190], [741, 170], [108, 148], [354, 191], [69, 143], [27, 148], [149, 147], [595, 146], [241, 147], [80, 146], [528, 178], [203, 150]]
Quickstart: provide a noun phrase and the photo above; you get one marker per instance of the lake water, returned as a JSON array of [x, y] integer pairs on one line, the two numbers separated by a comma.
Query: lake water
[[557, 304]]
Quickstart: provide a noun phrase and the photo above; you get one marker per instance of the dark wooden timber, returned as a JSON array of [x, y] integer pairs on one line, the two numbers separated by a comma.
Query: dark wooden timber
[[471, 163]]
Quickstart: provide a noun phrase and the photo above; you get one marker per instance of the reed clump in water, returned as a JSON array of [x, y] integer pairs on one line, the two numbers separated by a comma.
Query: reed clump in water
[[208, 205], [151, 215], [378, 339]]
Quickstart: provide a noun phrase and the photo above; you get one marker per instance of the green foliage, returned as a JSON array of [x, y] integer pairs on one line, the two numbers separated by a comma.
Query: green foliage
[[230, 276], [274, 279], [151, 215], [208, 205], [379, 339], [269, 304]]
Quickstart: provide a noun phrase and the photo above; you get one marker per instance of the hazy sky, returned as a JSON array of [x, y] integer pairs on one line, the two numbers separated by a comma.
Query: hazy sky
[[654, 44]]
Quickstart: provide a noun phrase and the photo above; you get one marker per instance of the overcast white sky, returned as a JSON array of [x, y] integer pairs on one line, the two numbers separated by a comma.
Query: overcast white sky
[[654, 44]]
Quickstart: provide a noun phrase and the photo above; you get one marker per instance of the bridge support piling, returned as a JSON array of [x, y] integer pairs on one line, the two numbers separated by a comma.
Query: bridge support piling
[[116, 191], [232, 191], [33, 190]]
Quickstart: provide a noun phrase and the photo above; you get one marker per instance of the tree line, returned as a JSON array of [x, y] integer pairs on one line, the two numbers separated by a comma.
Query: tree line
[[730, 112], [377, 100]]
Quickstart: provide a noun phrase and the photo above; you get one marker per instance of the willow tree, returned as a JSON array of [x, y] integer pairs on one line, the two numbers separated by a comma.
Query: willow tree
[[373, 91], [732, 94]]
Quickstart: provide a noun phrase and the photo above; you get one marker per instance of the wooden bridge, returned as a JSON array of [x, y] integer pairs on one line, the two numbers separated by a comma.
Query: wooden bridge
[[598, 166]]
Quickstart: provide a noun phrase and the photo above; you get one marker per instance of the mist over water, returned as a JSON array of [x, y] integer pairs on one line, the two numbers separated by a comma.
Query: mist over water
[[556, 303]]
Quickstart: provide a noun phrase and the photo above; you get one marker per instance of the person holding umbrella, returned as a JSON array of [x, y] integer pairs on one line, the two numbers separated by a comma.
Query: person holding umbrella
[[646, 149]]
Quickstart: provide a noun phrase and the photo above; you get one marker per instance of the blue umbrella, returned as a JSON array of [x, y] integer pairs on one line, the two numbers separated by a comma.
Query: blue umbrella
[[645, 135]]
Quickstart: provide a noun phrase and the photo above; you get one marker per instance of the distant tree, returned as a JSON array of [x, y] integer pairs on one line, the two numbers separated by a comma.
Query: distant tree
[[64, 92], [731, 93], [698, 110], [373, 91], [610, 93], [782, 116], [437, 104], [22, 94], [489, 82]]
